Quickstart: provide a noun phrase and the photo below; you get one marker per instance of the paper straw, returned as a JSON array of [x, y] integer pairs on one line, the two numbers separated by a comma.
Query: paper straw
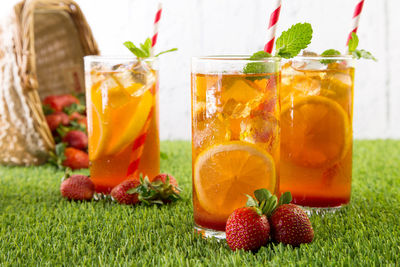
[[356, 19], [273, 20], [155, 26]]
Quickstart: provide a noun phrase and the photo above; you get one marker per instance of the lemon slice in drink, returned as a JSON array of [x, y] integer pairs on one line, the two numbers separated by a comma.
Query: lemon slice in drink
[[316, 131], [225, 172], [128, 122]]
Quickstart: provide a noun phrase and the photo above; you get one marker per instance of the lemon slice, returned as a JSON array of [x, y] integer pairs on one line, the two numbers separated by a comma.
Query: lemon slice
[[128, 122], [316, 131], [225, 173]]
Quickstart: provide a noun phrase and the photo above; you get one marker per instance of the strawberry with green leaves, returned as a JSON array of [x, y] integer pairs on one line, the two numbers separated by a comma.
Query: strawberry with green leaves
[[68, 157], [161, 189], [77, 187], [263, 218]]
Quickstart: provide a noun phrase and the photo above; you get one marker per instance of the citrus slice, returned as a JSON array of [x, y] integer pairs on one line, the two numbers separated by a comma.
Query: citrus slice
[[316, 131], [129, 121], [225, 173]]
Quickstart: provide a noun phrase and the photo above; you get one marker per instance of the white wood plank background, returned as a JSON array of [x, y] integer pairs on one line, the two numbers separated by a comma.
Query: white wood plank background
[[200, 27]]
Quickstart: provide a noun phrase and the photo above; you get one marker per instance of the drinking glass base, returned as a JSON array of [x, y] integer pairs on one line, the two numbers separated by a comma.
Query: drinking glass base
[[321, 211], [209, 233]]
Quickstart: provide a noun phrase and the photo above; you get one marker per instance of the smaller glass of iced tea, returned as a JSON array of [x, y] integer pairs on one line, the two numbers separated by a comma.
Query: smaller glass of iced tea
[[316, 130]]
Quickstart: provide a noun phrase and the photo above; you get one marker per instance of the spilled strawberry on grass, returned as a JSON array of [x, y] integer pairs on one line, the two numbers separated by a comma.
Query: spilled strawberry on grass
[[266, 219]]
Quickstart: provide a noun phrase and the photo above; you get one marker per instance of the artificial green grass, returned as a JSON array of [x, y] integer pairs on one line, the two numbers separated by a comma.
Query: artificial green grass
[[39, 227]]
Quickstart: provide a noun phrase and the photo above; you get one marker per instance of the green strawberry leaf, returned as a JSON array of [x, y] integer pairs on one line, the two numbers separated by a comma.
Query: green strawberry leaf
[[292, 41], [47, 110], [262, 195], [270, 206], [75, 108], [285, 198], [251, 202]]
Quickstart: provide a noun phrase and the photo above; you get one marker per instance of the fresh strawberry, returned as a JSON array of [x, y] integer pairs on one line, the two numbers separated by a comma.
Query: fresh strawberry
[[159, 191], [76, 116], [77, 187], [291, 225], [247, 229], [59, 102], [76, 139], [83, 121], [56, 119], [75, 158], [119, 193]]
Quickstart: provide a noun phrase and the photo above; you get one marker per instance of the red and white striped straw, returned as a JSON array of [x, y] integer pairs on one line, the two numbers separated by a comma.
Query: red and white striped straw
[[273, 20], [356, 19], [155, 25]]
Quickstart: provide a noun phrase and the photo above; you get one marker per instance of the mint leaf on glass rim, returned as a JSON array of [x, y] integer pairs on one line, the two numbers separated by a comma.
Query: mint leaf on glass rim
[[144, 50], [358, 53], [329, 53], [292, 41]]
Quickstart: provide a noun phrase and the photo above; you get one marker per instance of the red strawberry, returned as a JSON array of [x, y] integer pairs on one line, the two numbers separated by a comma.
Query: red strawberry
[[163, 177], [75, 158], [58, 102], [121, 196], [76, 139], [77, 187], [291, 225], [76, 116], [247, 229], [55, 119]]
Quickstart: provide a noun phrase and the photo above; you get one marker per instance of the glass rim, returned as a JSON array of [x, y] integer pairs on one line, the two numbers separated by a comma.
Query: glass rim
[[102, 58], [320, 57], [235, 58]]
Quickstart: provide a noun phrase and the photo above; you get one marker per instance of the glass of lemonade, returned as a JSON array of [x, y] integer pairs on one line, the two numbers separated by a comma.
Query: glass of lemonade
[[316, 130], [235, 135], [123, 126]]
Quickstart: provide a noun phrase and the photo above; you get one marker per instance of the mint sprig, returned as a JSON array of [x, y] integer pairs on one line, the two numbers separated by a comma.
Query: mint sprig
[[288, 45], [358, 53], [144, 49], [329, 53], [292, 41]]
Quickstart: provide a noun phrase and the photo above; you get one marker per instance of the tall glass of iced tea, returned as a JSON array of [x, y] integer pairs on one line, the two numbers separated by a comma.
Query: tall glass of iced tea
[[123, 127], [235, 135], [316, 130]]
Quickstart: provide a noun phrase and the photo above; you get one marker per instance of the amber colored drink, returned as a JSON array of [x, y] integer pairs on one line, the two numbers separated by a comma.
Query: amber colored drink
[[235, 138], [123, 127], [316, 128]]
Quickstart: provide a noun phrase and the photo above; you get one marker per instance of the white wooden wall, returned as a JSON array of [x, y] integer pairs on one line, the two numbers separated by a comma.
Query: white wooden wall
[[202, 27]]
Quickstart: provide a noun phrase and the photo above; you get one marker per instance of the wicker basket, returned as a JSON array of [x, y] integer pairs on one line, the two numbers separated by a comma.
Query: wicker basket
[[42, 44]]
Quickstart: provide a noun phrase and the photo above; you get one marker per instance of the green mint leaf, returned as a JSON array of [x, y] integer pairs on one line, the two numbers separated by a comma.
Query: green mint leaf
[[327, 53], [292, 41], [259, 67], [135, 50], [285, 198], [262, 195], [353, 42], [251, 202], [358, 54], [146, 47], [166, 51], [260, 55]]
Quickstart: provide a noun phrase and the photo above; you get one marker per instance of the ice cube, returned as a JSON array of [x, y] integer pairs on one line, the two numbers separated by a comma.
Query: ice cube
[[210, 131], [262, 130], [135, 79], [112, 94], [336, 85], [234, 109], [241, 90]]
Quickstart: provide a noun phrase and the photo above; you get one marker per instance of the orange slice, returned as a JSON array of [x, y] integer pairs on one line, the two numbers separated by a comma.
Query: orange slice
[[316, 131], [129, 121], [225, 172]]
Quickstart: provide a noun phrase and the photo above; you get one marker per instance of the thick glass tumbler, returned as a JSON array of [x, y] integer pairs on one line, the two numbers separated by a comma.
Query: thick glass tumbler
[[235, 135], [123, 127], [316, 127]]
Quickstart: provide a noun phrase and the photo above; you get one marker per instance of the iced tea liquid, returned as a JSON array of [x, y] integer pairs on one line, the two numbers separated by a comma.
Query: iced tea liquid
[[235, 141], [316, 131], [123, 126]]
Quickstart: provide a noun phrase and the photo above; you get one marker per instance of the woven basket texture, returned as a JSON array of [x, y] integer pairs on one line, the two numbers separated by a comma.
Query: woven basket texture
[[42, 44]]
